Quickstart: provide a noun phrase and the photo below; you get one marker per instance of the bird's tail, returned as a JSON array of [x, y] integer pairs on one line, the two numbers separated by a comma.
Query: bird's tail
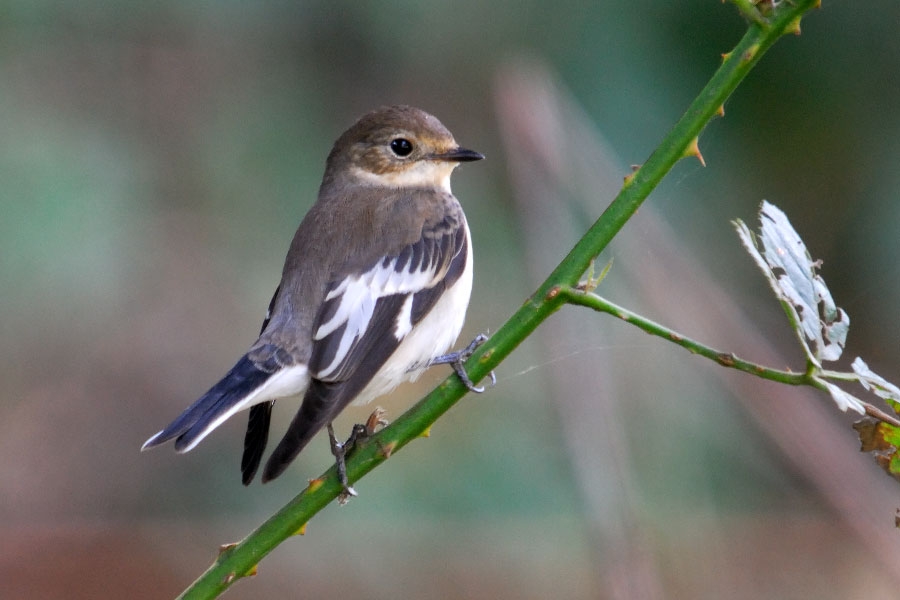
[[236, 391], [255, 439]]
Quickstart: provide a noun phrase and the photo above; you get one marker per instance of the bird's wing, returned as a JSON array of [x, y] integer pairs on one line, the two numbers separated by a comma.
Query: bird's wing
[[366, 315], [362, 321]]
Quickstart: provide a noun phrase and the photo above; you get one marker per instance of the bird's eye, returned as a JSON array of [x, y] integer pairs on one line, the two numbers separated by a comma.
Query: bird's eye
[[401, 147]]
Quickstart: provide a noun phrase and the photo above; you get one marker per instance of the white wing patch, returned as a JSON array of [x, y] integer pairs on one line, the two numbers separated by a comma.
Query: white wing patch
[[358, 294], [404, 319]]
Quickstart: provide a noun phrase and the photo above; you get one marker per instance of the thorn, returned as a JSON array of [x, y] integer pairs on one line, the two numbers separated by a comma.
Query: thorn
[[302, 530], [426, 433], [793, 26], [726, 56], [630, 177], [693, 149], [314, 484], [230, 577], [750, 53], [387, 449], [726, 359], [720, 112], [226, 548]]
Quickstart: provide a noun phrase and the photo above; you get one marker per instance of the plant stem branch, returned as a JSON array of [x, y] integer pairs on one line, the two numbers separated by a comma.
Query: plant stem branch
[[726, 359], [812, 377], [750, 12]]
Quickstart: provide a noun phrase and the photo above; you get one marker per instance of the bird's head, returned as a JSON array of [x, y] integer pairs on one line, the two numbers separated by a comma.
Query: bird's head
[[397, 146]]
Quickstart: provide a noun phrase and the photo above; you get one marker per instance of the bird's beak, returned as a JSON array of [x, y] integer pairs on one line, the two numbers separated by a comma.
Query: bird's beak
[[457, 155]]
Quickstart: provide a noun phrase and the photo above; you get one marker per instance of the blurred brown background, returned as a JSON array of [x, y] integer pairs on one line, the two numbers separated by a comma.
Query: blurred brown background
[[155, 160]]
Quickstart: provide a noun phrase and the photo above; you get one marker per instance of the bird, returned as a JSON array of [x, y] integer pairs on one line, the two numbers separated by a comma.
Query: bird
[[374, 289]]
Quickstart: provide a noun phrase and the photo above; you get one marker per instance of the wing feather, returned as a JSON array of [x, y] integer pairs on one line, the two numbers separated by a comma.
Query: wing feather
[[372, 308]]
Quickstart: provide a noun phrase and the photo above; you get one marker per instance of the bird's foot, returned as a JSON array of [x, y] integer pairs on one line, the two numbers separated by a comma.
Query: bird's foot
[[375, 421], [342, 450], [456, 360]]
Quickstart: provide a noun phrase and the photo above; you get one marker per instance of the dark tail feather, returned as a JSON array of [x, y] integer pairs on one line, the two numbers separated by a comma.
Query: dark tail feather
[[322, 402], [192, 424], [255, 439], [257, 435]]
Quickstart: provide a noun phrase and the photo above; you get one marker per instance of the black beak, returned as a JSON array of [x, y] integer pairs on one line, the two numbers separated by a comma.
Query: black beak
[[458, 155]]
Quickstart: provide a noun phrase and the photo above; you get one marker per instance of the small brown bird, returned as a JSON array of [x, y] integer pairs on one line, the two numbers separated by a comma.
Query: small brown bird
[[374, 289]]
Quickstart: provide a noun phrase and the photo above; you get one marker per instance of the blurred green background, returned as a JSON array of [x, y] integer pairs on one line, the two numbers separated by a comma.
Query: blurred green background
[[155, 159]]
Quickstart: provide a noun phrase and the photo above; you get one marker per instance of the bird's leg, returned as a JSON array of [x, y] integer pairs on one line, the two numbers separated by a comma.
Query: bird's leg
[[456, 360], [357, 434], [339, 451]]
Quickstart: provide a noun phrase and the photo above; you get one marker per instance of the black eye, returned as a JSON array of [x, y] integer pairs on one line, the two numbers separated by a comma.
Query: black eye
[[401, 147]]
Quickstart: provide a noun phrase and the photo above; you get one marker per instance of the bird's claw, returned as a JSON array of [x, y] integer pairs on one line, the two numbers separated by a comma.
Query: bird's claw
[[342, 450], [456, 360], [344, 497]]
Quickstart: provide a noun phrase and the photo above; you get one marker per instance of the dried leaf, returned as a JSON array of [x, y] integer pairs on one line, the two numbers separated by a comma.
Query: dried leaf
[[882, 439], [843, 399], [793, 276], [877, 384]]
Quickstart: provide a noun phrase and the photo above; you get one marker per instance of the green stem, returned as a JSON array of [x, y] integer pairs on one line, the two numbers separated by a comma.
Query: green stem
[[750, 12], [726, 359], [680, 142]]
